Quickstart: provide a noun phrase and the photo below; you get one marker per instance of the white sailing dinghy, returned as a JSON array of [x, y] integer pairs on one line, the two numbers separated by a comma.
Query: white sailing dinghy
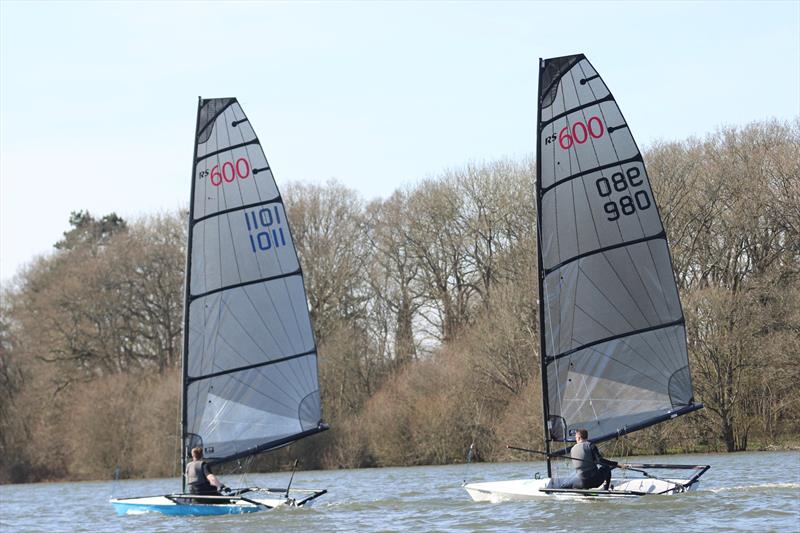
[[612, 334], [249, 355]]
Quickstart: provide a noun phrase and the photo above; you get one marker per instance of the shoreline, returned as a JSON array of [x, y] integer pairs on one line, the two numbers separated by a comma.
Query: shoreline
[[767, 449]]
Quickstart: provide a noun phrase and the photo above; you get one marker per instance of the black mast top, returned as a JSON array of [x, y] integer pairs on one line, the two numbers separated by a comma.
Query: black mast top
[[540, 270], [186, 295]]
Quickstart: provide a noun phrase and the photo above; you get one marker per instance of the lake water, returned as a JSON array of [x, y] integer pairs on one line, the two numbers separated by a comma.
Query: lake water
[[754, 491]]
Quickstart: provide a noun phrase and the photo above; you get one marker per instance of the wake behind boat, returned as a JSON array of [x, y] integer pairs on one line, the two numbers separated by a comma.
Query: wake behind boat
[[612, 335], [249, 356]]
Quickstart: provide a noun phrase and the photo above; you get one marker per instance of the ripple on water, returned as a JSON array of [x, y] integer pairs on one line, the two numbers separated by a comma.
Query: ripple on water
[[432, 499]]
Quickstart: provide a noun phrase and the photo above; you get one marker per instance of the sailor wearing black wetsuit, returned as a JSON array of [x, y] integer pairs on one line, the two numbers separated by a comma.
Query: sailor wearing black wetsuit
[[591, 468], [197, 480], [199, 477]]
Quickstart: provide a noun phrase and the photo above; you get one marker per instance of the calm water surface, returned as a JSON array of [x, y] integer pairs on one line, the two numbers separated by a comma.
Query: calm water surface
[[758, 491]]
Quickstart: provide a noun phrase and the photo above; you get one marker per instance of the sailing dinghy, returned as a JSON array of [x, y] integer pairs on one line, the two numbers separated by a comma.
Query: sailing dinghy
[[249, 356], [612, 334]]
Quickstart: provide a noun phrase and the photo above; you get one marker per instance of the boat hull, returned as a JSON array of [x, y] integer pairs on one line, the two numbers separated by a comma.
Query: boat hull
[[498, 491], [248, 501], [531, 489], [164, 505]]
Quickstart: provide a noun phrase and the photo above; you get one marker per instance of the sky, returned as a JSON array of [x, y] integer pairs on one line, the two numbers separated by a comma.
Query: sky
[[98, 100]]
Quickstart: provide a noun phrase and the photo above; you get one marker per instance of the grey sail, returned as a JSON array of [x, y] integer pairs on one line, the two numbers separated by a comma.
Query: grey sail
[[250, 360], [614, 352]]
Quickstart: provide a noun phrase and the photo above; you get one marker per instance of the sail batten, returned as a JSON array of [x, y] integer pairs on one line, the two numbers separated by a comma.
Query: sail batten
[[246, 283], [250, 359], [567, 261], [614, 350], [253, 366], [582, 173], [607, 98], [551, 358], [229, 149]]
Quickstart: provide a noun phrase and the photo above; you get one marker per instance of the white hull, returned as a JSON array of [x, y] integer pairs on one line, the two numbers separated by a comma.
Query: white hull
[[530, 489], [498, 491]]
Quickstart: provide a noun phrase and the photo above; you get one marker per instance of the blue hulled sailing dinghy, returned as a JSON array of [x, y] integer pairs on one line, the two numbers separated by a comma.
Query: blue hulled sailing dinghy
[[612, 334], [250, 380]]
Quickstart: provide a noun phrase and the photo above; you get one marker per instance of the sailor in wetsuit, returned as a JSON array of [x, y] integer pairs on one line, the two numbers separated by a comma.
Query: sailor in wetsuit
[[591, 469], [199, 477]]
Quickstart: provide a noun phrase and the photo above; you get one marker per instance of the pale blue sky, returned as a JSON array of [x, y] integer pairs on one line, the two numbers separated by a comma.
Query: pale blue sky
[[98, 99]]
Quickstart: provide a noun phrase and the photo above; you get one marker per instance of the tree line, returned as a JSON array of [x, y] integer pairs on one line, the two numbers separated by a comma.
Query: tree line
[[424, 307]]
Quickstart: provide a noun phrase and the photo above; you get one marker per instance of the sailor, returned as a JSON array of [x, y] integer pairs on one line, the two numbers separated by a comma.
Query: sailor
[[591, 469], [199, 476]]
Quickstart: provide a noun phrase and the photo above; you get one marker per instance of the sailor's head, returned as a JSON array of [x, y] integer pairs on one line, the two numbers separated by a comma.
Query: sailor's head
[[197, 453], [581, 435]]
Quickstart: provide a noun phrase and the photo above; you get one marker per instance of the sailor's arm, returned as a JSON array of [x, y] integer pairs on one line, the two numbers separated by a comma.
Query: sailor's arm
[[609, 462], [214, 480], [599, 459]]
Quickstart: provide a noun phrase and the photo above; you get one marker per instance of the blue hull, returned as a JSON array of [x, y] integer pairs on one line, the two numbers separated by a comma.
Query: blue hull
[[184, 509], [257, 499]]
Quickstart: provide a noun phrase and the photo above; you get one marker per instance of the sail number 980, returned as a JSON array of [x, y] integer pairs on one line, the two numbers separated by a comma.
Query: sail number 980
[[627, 204]]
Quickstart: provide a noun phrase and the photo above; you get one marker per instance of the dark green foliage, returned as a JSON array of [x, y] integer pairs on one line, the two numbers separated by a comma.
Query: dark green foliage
[[86, 231]]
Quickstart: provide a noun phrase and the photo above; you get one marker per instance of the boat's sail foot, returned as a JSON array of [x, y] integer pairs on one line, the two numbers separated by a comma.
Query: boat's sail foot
[[597, 439], [251, 380], [613, 328]]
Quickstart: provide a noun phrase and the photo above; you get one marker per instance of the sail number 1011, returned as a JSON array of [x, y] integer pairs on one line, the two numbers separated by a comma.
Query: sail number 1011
[[627, 204], [266, 229]]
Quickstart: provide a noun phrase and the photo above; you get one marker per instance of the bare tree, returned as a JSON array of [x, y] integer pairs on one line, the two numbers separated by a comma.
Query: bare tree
[[395, 274]]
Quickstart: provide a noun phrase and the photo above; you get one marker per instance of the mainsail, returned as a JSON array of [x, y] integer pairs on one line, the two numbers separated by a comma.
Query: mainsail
[[613, 340], [250, 359]]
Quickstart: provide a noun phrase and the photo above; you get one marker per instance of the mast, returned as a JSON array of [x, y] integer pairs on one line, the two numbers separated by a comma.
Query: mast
[[540, 270], [187, 280]]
